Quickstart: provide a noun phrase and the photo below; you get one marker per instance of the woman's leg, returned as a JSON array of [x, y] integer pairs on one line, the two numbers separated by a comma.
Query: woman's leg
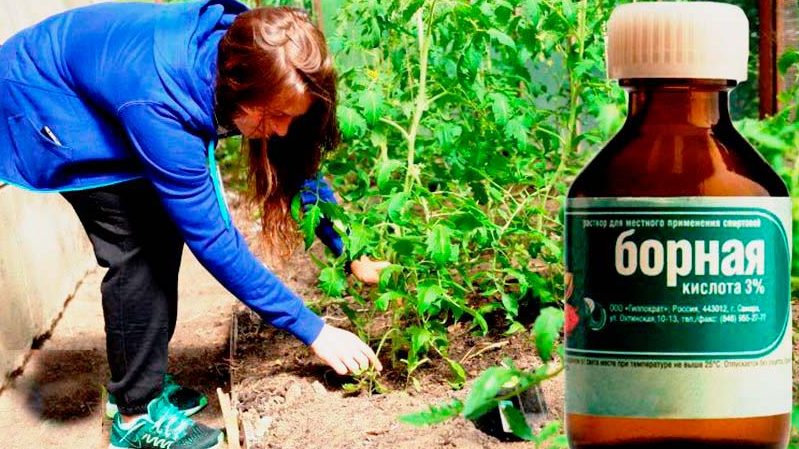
[[134, 238]]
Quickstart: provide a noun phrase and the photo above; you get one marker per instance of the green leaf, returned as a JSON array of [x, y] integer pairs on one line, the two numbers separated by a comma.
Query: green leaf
[[385, 299], [502, 38], [562, 442], [397, 205], [404, 246], [434, 414], [788, 59], [428, 296], [569, 11], [514, 328], [351, 388], [386, 280], [420, 341], [479, 191], [547, 330], [411, 9], [610, 118], [521, 279], [332, 281], [478, 318], [532, 10], [771, 141], [500, 107], [487, 9], [296, 206], [470, 219], [439, 244], [540, 285], [459, 372], [482, 397], [517, 130], [550, 429], [350, 122], [517, 422], [371, 103], [470, 61], [511, 304], [310, 221], [384, 171], [378, 139], [358, 239], [332, 211], [447, 133]]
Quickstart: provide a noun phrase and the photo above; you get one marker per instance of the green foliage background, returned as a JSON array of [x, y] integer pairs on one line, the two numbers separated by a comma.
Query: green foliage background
[[463, 124]]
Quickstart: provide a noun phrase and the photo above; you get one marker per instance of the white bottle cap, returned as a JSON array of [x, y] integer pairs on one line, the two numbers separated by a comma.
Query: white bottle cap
[[698, 40]]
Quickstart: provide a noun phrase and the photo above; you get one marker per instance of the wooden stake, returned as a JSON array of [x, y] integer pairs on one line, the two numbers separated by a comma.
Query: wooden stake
[[231, 420]]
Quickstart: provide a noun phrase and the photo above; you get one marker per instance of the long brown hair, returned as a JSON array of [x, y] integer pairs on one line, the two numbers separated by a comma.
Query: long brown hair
[[265, 52]]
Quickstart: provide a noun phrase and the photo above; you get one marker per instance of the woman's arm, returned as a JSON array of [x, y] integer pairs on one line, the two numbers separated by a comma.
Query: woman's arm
[[175, 161]]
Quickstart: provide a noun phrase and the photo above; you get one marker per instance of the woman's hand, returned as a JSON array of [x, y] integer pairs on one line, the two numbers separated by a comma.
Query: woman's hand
[[344, 351], [368, 270]]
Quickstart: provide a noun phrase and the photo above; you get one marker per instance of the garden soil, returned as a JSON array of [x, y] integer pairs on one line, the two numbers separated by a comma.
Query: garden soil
[[291, 399]]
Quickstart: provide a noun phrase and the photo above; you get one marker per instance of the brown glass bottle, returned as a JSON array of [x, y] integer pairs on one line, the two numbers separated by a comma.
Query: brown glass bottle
[[678, 141]]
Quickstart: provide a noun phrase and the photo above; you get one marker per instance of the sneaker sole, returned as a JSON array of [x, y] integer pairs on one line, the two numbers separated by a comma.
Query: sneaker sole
[[218, 445], [195, 410], [111, 409]]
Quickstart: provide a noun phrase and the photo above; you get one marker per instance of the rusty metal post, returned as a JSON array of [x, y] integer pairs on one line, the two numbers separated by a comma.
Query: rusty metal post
[[778, 32], [767, 62]]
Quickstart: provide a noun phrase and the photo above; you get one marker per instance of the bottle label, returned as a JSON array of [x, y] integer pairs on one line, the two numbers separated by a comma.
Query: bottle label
[[678, 307]]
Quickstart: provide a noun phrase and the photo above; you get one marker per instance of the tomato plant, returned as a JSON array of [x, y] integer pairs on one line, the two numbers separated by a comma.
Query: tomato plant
[[463, 122]]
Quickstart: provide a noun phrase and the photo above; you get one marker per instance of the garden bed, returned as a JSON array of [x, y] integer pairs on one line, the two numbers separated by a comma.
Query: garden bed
[[290, 399]]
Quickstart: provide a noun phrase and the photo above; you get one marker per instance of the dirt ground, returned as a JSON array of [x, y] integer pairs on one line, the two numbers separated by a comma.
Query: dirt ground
[[280, 382], [295, 401], [290, 399]]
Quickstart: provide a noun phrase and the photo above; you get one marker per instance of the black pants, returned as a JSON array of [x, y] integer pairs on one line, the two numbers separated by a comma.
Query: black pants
[[141, 247]]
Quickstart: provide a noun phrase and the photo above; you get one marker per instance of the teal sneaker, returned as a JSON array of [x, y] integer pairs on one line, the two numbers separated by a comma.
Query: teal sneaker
[[163, 427], [187, 400]]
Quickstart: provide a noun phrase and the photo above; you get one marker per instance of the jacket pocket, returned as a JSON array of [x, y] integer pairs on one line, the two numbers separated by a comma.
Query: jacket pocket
[[40, 159]]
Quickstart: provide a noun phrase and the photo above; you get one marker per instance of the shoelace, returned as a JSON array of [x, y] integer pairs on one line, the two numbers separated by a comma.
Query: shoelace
[[173, 424]]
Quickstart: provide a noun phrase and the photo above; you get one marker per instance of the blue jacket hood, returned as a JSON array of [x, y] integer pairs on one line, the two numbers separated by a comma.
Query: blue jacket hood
[[186, 62]]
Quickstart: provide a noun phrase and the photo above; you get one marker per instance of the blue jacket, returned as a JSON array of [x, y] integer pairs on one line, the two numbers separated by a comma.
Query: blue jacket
[[118, 91]]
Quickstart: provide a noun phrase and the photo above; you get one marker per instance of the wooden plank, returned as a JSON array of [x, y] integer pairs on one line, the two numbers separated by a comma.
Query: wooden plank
[[231, 419]]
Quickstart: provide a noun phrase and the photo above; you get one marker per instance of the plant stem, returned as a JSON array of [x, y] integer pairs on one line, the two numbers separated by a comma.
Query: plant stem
[[795, 176], [518, 209], [397, 126], [496, 345], [572, 124], [424, 37], [518, 390]]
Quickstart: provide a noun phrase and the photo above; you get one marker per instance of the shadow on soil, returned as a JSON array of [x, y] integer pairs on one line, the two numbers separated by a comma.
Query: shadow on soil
[[67, 385]]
